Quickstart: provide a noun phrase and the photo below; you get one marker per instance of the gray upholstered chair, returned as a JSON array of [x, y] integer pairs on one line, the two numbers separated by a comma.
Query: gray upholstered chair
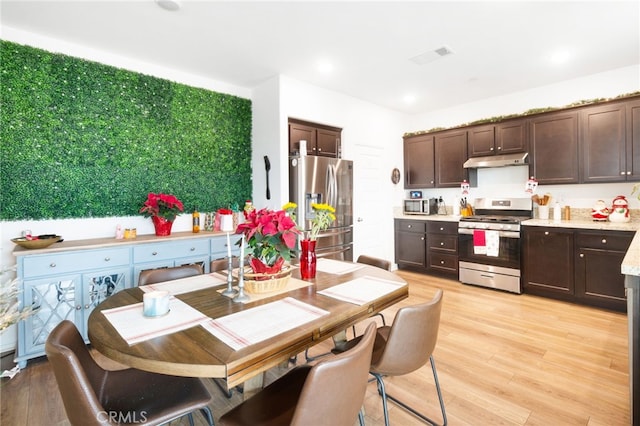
[[404, 347], [153, 276], [330, 392], [94, 396]]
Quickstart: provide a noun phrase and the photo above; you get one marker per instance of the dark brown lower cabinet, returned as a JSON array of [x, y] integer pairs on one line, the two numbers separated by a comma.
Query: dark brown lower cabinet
[[410, 244], [576, 265], [428, 246]]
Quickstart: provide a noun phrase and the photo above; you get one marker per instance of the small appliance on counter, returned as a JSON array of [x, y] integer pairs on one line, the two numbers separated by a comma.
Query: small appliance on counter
[[620, 210], [424, 206]]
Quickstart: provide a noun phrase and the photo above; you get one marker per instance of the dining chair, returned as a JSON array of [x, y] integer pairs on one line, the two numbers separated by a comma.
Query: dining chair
[[403, 348], [94, 396], [222, 264], [153, 276], [331, 392], [378, 263]]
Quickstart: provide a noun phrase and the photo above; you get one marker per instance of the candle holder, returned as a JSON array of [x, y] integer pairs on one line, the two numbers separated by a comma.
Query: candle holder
[[230, 292], [241, 297]]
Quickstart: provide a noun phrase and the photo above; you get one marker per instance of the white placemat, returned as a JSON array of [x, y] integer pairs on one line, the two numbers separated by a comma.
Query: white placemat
[[186, 285], [362, 290], [134, 327], [336, 267], [262, 322]]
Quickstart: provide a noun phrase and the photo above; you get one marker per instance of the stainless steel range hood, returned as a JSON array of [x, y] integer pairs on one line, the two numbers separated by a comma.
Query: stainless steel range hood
[[519, 159]]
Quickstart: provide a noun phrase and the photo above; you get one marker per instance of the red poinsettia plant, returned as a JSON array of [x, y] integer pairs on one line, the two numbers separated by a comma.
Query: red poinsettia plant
[[162, 205], [271, 239]]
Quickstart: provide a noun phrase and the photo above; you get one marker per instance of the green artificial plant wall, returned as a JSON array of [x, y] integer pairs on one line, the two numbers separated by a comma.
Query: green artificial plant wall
[[82, 139]]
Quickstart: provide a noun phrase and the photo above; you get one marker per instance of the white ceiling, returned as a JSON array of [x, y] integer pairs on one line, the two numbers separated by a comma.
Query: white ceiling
[[499, 47]]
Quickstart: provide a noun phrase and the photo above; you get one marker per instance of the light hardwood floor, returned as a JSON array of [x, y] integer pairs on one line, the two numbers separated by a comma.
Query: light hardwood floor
[[502, 359]]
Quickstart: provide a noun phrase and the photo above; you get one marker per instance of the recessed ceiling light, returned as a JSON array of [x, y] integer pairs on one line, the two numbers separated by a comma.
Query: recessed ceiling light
[[171, 5], [409, 98], [560, 57], [325, 67]]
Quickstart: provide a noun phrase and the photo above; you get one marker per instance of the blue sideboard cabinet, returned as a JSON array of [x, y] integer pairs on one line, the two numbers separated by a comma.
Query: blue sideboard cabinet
[[67, 280]]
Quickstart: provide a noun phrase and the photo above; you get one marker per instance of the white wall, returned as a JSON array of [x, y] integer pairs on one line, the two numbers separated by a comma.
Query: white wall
[[366, 128], [510, 181]]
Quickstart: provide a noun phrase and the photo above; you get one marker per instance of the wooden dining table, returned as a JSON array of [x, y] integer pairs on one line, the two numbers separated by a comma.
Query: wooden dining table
[[195, 352]]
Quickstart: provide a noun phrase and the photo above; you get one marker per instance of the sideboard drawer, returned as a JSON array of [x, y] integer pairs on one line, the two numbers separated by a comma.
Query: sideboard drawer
[[170, 250], [52, 264]]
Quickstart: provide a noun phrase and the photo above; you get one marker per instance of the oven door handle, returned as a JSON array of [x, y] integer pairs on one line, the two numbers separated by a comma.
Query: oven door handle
[[501, 234]]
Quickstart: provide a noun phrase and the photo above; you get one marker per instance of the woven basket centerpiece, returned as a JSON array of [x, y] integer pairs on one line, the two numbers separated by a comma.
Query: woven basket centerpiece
[[264, 282]]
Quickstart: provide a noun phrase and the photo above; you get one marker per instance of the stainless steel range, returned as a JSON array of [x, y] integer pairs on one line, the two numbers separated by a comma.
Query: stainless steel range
[[489, 243]]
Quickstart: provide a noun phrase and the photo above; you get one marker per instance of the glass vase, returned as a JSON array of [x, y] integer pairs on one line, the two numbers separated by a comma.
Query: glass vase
[[308, 259], [162, 225]]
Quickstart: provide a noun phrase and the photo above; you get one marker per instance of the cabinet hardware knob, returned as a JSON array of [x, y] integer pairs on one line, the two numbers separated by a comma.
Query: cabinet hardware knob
[[441, 228], [52, 265], [442, 262], [546, 232], [581, 254], [441, 243], [604, 241], [319, 149], [154, 253], [499, 148], [86, 306], [106, 259], [408, 226], [622, 173], [491, 149], [422, 238], [192, 249], [628, 173], [78, 307], [431, 181]]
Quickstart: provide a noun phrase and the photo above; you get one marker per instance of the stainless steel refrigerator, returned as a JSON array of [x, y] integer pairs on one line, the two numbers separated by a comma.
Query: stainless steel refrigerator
[[327, 180]]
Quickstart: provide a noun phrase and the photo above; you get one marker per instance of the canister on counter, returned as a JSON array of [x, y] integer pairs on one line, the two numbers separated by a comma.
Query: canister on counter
[[566, 213]]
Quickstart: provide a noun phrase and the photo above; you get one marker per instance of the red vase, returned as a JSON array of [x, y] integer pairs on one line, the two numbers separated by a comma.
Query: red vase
[[162, 225], [308, 259]]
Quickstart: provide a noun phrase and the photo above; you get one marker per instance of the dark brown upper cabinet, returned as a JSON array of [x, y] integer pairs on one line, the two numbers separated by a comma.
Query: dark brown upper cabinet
[[508, 137], [450, 155], [419, 162], [321, 140], [554, 148], [603, 143]]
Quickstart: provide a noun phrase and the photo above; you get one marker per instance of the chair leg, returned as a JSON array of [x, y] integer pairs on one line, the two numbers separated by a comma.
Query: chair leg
[[190, 416], [385, 396], [361, 417], [206, 412]]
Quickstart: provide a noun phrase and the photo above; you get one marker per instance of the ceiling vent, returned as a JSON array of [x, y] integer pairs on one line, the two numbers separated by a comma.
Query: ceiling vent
[[431, 56]]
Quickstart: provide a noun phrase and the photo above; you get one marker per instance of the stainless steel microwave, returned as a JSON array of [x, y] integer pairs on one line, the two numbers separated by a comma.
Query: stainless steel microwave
[[424, 206]]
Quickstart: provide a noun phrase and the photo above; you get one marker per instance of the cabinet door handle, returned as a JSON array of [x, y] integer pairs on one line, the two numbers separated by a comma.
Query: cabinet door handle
[[154, 253], [106, 259], [52, 265], [604, 241]]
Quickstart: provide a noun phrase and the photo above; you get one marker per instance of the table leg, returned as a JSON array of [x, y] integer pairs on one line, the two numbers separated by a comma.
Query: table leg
[[252, 386]]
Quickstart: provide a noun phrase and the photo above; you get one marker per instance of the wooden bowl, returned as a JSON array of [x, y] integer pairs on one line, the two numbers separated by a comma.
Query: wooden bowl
[[40, 243]]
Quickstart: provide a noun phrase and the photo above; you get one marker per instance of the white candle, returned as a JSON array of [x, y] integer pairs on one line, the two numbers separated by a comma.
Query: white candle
[[228, 245], [242, 252]]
